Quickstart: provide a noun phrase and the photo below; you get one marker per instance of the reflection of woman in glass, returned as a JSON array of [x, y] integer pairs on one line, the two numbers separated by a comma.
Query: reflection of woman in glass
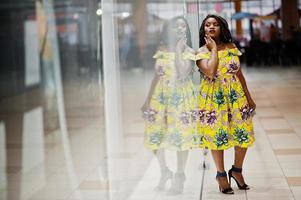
[[225, 103], [169, 110]]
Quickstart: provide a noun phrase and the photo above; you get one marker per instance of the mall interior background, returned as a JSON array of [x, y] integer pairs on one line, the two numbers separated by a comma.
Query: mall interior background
[[74, 75]]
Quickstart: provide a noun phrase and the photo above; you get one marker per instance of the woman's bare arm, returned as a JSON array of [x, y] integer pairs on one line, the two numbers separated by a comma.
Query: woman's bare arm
[[245, 88], [183, 67], [150, 92], [208, 66]]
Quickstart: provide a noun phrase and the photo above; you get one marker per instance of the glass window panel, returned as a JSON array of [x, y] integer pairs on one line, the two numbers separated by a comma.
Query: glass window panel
[[79, 84]]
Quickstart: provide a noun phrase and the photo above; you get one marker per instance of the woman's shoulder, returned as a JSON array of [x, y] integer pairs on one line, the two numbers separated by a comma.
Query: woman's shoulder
[[230, 45], [203, 53], [161, 49], [189, 50], [163, 53], [203, 49], [232, 48], [188, 54]]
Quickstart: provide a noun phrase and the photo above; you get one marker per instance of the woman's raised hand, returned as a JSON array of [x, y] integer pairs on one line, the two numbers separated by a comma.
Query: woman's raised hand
[[210, 43], [181, 44]]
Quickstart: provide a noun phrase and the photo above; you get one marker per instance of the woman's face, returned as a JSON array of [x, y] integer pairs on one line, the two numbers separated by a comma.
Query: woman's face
[[212, 27], [180, 28]]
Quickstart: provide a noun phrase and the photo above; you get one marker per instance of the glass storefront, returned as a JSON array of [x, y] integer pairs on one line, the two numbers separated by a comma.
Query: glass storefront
[[75, 77]]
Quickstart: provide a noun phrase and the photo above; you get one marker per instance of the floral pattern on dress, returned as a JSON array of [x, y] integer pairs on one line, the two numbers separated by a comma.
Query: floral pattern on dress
[[245, 112], [184, 117], [176, 100], [232, 67], [163, 99], [172, 118], [194, 115], [150, 115], [161, 71], [175, 138], [241, 135], [155, 138], [221, 138], [202, 114], [233, 96], [211, 118], [219, 97], [225, 119]]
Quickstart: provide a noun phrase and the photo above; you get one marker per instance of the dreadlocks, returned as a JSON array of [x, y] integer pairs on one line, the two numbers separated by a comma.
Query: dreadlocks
[[225, 35]]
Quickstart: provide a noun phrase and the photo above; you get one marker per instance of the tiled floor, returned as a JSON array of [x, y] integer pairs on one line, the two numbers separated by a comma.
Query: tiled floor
[[49, 153]]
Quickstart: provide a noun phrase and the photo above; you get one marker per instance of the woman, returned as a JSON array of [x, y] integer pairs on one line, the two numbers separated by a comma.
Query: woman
[[170, 108], [225, 104]]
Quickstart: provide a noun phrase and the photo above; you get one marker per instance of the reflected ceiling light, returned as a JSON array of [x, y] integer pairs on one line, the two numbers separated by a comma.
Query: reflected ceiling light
[[75, 16], [99, 12], [125, 14]]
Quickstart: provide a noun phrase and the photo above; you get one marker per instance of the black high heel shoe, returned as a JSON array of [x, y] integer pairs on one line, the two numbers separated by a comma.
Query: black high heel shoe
[[228, 190], [238, 170]]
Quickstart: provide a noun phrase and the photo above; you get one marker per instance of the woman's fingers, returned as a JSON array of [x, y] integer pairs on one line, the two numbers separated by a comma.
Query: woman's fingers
[[206, 40], [210, 38]]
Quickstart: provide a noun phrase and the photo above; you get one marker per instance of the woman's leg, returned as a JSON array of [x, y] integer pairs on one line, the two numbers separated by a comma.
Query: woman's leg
[[181, 161], [166, 174], [160, 154], [218, 157], [179, 178], [240, 154], [239, 157]]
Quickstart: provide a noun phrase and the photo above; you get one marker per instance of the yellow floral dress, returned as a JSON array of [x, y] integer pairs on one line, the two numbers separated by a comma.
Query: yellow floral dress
[[224, 114], [171, 118]]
